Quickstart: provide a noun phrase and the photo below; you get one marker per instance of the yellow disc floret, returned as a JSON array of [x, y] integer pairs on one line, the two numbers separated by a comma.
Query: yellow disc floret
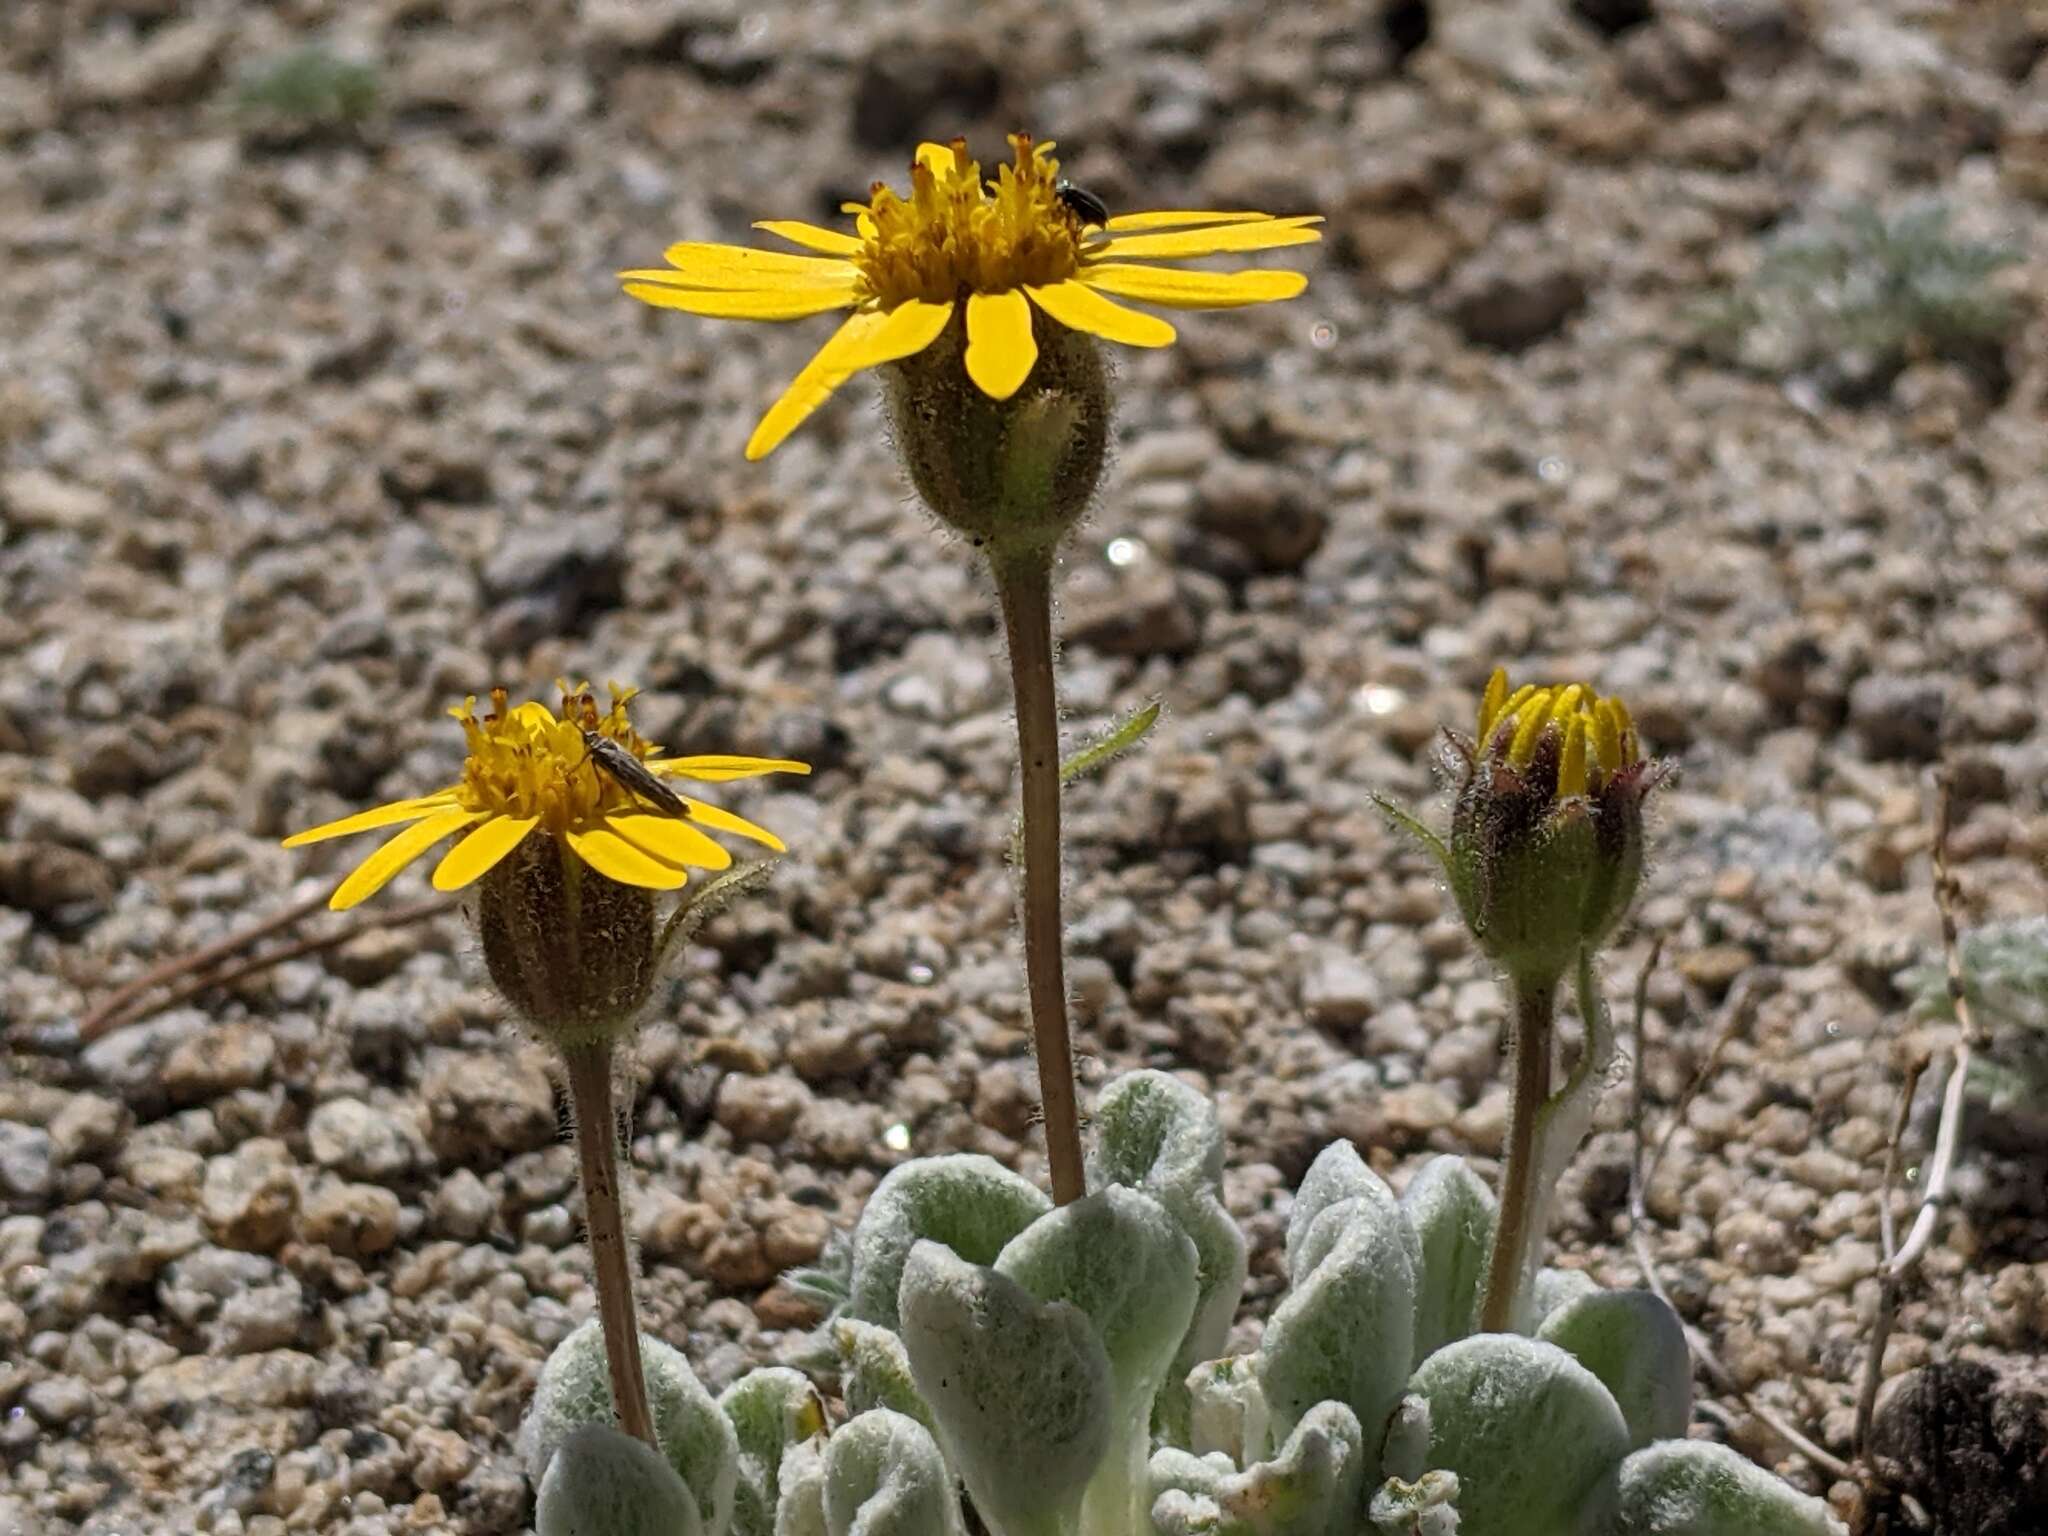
[[957, 234], [526, 762]]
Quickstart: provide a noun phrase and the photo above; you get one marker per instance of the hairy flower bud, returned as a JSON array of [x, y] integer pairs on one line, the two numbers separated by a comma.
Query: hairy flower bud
[[1015, 474], [573, 951], [1546, 846]]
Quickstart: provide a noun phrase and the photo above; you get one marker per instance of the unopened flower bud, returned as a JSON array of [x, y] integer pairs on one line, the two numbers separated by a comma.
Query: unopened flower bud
[[1546, 846]]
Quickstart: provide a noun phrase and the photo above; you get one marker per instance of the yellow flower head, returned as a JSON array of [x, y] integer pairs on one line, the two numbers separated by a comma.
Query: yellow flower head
[[1547, 836], [529, 769], [992, 252], [1594, 740]]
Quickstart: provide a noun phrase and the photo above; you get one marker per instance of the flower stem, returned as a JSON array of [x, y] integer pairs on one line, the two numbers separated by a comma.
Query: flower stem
[[597, 1140], [1520, 1198], [1024, 585]]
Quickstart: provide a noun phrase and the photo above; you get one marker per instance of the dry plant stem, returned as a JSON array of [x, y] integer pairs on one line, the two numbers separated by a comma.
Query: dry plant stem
[[112, 1009], [1535, 1024], [1888, 1284], [1899, 1263], [109, 1017], [597, 1142], [1948, 1134], [1025, 587]]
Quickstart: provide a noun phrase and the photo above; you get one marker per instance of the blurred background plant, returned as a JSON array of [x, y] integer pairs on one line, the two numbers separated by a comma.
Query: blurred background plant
[[304, 93], [1849, 300], [2005, 976]]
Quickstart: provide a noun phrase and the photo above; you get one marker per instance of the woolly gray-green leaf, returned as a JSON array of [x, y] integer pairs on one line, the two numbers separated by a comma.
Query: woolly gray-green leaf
[[1635, 1344], [1534, 1439], [874, 1372], [1696, 1488], [600, 1482], [1453, 1215], [1346, 1331], [575, 1388], [800, 1504], [1156, 1134], [770, 1410], [1339, 1174], [1556, 1289], [885, 1477], [971, 1204], [1020, 1388], [1126, 1263]]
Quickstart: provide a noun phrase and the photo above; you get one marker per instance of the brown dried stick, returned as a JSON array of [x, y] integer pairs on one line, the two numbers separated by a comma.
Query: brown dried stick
[[1900, 1261], [1948, 1133], [107, 1013], [1887, 1284], [105, 1019]]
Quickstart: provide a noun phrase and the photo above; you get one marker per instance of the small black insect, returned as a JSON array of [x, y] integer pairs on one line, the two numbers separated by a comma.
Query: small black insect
[[632, 775], [1083, 204]]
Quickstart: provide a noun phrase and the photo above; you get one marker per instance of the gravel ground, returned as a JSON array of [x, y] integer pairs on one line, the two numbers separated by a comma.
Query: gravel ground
[[305, 434]]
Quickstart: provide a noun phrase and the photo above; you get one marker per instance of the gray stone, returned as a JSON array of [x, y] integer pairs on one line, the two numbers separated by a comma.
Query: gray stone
[[58, 1401], [28, 1161], [1338, 991], [1899, 718], [462, 1206], [363, 1141], [485, 1107], [250, 1195], [1513, 294]]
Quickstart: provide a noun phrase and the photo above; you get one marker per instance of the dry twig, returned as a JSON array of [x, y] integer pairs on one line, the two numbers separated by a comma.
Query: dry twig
[[192, 975], [1901, 1259], [1888, 1284]]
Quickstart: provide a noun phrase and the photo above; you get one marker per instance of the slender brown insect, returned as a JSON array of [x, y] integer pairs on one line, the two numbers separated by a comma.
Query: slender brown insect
[[632, 775]]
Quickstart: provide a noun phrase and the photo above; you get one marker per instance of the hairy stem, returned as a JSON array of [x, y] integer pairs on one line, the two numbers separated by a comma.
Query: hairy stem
[[1520, 1196], [597, 1139], [1025, 588]]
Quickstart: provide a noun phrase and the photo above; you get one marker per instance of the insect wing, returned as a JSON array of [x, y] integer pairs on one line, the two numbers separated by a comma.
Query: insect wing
[[631, 775]]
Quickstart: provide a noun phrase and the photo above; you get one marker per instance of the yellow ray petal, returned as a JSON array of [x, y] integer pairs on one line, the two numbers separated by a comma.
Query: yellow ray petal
[[610, 854], [937, 158], [868, 337], [477, 854], [755, 304], [381, 816], [1266, 235], [375, 872], [671, 841], [720, 768], [1191, 290], [741, 266], [757, 282], [811, 237], [1000, 351], [1080, 308], [739, 826], [1168, 218]]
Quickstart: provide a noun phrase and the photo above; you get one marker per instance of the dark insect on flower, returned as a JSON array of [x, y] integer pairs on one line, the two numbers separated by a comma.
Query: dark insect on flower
[[632, 775], [1083, 204]]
